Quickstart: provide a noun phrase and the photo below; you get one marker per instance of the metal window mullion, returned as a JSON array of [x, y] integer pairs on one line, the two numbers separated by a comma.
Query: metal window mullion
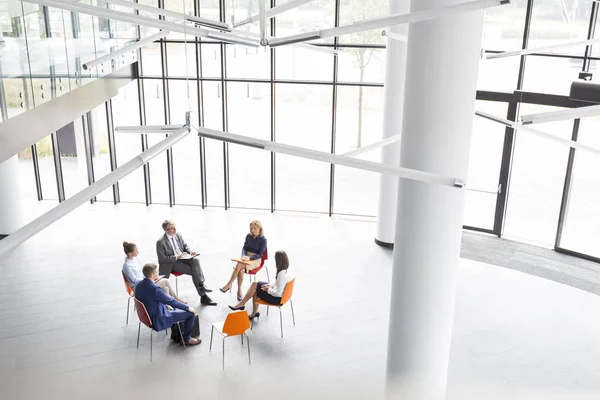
[[112, 147], [273, 105], [505, 170], [591, 34], [566, 195], [525, 43], [88, 140], [334, 110], [167, 119], [199, 87], [224, 111]]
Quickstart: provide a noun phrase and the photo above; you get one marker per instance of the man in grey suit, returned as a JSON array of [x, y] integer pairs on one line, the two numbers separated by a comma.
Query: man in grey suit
[[174, 255]]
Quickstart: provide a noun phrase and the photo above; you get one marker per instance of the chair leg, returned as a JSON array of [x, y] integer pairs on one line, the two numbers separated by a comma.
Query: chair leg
[[281, 321], [177, 286], [242, 337], [268, 310], [292, 306], [180, 334], [267, 270], [127, 320], [139, 326], [150, 345], [211, 336], [248, 340], [224, 352]]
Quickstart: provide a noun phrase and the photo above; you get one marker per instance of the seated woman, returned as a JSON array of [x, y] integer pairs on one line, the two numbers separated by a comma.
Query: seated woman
[[133, 271], [267, 292], [255, 246]]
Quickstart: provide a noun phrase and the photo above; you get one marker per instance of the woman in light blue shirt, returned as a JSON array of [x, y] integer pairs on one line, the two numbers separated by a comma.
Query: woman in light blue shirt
[[133, 271]]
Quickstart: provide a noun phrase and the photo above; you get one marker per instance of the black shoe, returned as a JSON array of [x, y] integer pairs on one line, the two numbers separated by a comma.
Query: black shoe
[[257, 316], [207, 301], [239, 298], [223, 291], [207, 290], [237, 308]]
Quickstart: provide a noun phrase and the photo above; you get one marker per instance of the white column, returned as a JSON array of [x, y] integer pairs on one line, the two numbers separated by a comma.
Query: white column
[[12, 216], [395, 69], [441, 79]]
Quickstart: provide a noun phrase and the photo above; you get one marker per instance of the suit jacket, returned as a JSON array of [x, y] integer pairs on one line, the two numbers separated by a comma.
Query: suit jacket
[[166, 255], [155, 301]]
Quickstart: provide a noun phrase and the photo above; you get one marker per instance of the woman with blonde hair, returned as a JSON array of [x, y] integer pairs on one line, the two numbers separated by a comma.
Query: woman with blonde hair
[[133, 271], [254, 247], [268, 292]]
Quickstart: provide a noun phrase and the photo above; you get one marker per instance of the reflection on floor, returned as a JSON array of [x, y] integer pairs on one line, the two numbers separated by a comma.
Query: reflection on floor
[[63, 332]]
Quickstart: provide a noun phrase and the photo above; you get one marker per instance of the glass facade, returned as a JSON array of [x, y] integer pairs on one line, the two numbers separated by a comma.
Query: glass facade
[[519, 186]]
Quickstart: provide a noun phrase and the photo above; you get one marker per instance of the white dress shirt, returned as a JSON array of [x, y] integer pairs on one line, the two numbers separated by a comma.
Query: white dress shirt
[[174, 244], [282, 279]]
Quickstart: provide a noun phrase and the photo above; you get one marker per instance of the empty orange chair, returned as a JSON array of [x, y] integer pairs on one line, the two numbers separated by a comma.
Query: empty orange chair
[[130, 293], [236, 323], [145, 319], [287, 296]]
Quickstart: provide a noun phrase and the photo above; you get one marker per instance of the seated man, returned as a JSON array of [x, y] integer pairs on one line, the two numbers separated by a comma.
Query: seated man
[[174, 256], [156, 302]]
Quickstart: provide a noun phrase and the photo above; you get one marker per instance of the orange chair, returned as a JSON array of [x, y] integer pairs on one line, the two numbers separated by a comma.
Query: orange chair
[[130, 293], [176, 275], [287, 296], [145, 319], [236, 323]]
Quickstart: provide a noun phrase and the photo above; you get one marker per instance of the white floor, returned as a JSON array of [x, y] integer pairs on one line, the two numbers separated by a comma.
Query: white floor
[[63, 332]]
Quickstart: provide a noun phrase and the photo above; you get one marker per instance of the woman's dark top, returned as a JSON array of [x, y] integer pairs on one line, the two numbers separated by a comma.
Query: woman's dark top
[[257, 245]]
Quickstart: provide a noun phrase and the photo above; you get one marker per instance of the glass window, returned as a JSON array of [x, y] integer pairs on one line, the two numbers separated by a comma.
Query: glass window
[[537, 179], [211, 60], [554, 22], [303, 185], [159, 179], [73, 159], [301, 63], [500, 74], [125, 108], [47, 172], [249, 113], [551, 75], [186, 153], [151, 60], [313, 16], [359, 119], [581, 230], [361, 64], [213, 118], [503, 26], [248, 62], [487, 142], [101, 153], [358, 10], [209, 9], [178, 62], [154, 101]]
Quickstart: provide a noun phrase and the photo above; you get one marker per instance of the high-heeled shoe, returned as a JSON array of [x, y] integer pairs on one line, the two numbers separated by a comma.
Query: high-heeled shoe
[[257, 316], [239, 298], [223, 291], [237, 308]]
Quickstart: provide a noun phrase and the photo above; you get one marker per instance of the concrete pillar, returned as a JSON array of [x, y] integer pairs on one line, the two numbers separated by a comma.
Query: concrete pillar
[[395, 69], [12, 213], [441, 78]]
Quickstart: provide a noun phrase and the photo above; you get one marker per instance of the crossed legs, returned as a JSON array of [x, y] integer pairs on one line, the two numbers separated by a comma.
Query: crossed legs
[[238, 271]]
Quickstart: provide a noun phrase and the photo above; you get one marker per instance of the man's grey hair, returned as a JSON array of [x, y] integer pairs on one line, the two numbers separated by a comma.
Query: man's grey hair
[[167, 223]]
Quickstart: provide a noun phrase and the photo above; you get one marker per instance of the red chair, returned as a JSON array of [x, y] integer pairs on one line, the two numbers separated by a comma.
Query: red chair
[[145, 319], [176, 275], [130, 293], [253, 272]]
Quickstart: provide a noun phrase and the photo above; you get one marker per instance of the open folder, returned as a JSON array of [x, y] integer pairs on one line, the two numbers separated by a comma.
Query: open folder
[[238, 259], [189, 257]]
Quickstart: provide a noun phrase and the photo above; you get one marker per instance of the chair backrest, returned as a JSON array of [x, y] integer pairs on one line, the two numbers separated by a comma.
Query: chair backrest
[[127, 285], [236, 323], [142, 313], [264, 258], [287, 292]]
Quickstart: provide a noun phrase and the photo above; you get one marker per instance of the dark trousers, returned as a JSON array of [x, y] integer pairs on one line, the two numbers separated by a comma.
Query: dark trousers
[[192, 267], [188, 325], [266, 296]]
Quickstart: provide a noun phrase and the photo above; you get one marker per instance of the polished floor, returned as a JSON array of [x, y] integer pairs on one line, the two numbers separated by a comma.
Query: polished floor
[[63, 307]]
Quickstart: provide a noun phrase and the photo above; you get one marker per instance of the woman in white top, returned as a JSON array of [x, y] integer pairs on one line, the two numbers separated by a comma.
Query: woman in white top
[[267, 292], [133, 272]]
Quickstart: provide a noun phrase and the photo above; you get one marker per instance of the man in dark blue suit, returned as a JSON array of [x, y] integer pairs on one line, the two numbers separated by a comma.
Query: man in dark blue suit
[[156, 302]]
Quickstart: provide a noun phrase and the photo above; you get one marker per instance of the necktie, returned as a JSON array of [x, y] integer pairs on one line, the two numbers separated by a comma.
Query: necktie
[[175, 247]]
